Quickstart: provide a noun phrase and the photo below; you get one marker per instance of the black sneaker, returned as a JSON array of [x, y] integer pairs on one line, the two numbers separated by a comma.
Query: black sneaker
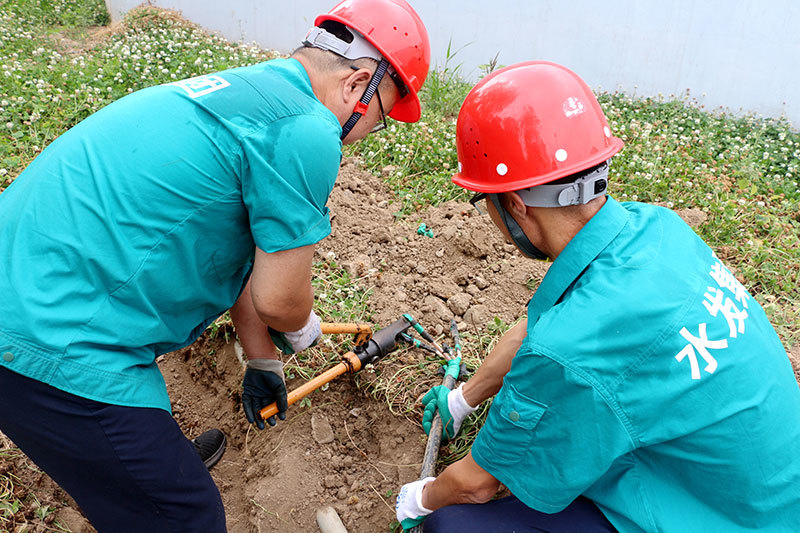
[[210, 445]]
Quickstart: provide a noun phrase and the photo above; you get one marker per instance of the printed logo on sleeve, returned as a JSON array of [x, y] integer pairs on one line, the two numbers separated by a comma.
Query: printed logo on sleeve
[[718, 303], [202, 85]]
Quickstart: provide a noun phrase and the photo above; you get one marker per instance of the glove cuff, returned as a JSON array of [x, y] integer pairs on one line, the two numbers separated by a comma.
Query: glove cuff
[[418, 497], [458, 405], [306, 336], [267, 365]]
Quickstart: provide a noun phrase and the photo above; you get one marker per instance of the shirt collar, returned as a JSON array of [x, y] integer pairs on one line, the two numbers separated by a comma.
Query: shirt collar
[[592, 239]]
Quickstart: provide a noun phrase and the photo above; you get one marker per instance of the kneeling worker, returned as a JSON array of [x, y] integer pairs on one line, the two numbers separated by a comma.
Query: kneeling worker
[[646, 391]]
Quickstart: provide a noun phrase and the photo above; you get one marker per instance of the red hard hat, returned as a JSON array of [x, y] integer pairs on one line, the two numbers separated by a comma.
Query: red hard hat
[[529, 124], [395, 29]]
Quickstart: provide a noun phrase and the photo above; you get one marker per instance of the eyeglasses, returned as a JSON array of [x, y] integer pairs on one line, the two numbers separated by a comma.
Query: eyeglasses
[[477, 198], [380, 125]]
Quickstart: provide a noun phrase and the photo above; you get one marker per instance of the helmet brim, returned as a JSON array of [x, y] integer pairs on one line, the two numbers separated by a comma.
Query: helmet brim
[[475, 183], [408, 109]]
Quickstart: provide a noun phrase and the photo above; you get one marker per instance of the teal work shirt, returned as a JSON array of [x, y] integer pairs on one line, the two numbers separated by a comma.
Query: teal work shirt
[[651, 382], [135, 229]]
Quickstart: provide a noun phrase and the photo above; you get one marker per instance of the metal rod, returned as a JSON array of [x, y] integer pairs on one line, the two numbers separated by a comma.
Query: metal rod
[[363, 332], [432, 447], [351, 363]]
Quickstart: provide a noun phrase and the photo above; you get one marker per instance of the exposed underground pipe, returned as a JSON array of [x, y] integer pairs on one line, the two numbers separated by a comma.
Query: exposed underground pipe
[[329, 522]]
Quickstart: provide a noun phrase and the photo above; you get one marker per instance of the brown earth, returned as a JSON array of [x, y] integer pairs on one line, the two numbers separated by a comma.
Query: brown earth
[[347, 449]]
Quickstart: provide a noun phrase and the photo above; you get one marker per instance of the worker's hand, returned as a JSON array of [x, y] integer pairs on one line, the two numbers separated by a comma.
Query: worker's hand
[[263, 384], [297, 341], [452, 407], [409, 509]]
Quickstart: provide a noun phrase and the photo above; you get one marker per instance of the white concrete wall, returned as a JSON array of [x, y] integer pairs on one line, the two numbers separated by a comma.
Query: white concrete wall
[[740, 54]]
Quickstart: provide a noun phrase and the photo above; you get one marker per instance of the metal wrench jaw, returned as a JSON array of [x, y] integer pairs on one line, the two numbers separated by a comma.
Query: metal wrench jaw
[[382, 342]]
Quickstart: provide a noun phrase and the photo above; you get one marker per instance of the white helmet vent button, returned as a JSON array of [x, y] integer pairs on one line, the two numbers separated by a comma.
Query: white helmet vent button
[[502, 169], [561, 155]]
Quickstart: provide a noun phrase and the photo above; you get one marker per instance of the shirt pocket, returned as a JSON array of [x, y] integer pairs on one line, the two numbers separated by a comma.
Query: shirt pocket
[[513, 422]]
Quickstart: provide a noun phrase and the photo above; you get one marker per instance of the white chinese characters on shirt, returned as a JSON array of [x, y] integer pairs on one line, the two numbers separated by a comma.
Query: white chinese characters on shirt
[[717, 301]]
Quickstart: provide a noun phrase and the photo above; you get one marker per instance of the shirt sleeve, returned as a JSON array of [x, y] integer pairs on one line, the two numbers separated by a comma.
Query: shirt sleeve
[[550, 434], [288, 171]]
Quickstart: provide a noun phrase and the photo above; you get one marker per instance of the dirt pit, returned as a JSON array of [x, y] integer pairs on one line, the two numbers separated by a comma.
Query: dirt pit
[[353, 447]]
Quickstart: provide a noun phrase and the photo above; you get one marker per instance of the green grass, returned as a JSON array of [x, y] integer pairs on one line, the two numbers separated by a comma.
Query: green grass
[[56, 71]]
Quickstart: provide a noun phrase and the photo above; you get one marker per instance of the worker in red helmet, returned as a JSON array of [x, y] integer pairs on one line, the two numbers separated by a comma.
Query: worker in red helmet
[[141, 225], [646, 390]]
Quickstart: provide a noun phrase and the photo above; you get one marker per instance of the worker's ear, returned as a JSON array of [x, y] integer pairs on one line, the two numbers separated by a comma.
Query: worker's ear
[[515, 205], [354, 85]]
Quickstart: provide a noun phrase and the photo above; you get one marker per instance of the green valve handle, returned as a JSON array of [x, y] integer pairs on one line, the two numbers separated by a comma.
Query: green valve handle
[[424, 230]]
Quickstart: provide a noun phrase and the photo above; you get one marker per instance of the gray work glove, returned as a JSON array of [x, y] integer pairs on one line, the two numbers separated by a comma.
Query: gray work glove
[[263, 384], [297, 341]]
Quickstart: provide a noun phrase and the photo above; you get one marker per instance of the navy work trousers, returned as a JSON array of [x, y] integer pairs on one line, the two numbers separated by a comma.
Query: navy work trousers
[[509, 515], [129, 468]]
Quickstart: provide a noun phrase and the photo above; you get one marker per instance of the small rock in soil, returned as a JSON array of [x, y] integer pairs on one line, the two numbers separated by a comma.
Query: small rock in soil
[[449, 232], [73, 520], [443, 288], [477, 315], [321, 429], [437, 307], [459, 303]]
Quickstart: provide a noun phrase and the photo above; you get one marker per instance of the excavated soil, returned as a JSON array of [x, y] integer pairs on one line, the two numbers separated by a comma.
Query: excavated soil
[[347, 450]]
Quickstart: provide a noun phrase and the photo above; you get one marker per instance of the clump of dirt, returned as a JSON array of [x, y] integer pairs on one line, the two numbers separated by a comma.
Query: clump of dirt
[[464, 271]]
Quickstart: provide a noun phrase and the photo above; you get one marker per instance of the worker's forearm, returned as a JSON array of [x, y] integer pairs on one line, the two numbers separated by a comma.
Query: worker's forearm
[[252, 332], [489, 377], [461, 482]]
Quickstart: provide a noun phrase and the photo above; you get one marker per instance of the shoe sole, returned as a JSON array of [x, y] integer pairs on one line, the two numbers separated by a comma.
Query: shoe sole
[[217, 455]]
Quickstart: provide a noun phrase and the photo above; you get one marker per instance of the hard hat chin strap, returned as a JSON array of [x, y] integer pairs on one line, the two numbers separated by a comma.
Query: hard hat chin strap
[[363, 103], [517, 235]]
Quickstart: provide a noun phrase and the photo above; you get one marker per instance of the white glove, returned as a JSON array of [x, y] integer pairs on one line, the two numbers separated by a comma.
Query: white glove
[[409, 509], [459, 407], [297, 341]]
